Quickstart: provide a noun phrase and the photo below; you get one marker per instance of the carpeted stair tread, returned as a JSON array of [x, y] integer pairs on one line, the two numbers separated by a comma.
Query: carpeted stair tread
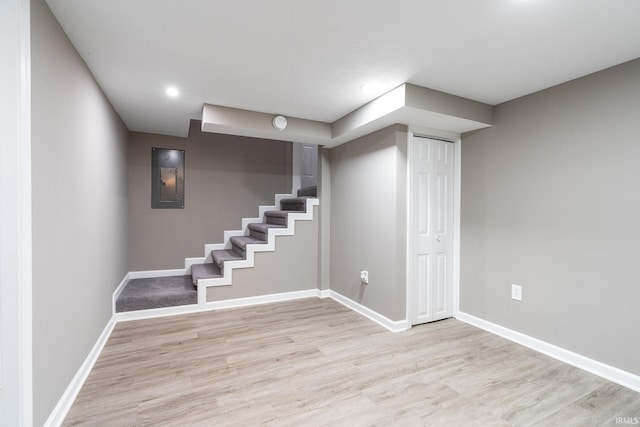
[[294, 204], [243, 241], [221, 256], [156, 292], [263, 227], [280, 214], [204, 271], [294, 200], [260, 230], [311, 191], [277, 217]]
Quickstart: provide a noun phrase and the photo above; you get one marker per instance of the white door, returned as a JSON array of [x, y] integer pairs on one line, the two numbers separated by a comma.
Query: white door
[[431, 229]]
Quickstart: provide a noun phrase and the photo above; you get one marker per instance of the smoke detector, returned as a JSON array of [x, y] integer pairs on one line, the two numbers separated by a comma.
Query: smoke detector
[[279, 122]]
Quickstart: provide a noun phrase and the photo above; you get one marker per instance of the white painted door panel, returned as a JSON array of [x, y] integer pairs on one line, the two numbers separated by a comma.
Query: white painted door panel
[[431, 228]]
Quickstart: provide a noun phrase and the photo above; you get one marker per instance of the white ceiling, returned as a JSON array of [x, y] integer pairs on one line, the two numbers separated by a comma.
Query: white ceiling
[[309, 58]]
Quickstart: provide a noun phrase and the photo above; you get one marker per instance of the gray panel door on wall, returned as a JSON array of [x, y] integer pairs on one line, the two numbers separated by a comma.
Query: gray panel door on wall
[[309, 165]]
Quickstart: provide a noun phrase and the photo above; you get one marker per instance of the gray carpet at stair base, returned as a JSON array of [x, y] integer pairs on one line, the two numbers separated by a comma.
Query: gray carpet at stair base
[[156, 292]]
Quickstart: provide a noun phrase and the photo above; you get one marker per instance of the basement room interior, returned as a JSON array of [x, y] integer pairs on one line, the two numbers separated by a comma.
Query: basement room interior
[[287, 213]]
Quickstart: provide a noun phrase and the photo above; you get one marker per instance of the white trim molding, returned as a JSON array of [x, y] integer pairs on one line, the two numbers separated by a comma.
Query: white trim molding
[[324, 293], [457, 225], [595, 367], [16, 277], [262, 299], [118, 291], [215, 305], [57, 416], [392, 325], [156, 273]]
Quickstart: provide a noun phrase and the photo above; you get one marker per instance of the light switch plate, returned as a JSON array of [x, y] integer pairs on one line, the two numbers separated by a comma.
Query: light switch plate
[[364, 276]]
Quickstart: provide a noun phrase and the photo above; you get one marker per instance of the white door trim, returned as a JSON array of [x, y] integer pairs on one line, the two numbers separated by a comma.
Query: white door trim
[[457, 169], [457, 176], [16, 389]]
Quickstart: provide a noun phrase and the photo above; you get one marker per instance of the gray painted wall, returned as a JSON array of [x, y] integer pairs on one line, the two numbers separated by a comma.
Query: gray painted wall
[[79, 192], [293, 266], [550, 201], [368, 220], [226, 178]]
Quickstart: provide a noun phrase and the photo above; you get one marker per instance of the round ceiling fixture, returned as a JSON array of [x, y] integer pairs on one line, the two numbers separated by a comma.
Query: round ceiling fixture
[[279, 122]]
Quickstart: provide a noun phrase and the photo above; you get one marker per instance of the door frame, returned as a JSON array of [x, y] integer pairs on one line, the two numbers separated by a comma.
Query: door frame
[[455, 138], [16, 397]]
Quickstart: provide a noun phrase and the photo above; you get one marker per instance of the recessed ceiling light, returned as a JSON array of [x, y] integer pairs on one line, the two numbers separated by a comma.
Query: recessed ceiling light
[[172, 92]]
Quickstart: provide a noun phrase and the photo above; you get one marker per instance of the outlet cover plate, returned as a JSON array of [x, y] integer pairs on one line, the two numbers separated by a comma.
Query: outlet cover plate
[[516, 292]]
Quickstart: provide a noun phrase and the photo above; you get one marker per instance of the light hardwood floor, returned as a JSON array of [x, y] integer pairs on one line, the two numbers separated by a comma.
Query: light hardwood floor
[[314, 362]]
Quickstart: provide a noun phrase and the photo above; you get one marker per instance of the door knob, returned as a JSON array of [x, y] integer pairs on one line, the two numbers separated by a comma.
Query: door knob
[[438, 238]]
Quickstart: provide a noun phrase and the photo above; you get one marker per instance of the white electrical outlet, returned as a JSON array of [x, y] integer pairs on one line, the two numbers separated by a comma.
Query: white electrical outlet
[[364, 276], [516, 292]]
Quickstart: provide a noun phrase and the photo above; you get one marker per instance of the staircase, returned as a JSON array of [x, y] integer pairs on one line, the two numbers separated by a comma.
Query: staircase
[[216, 270]]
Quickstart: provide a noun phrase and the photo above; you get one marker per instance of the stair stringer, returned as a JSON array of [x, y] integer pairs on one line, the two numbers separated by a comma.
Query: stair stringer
[[251, 249], [228, 234]]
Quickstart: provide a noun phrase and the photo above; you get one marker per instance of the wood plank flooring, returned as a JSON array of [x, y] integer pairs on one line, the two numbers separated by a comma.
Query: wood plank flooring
[[314, 362]]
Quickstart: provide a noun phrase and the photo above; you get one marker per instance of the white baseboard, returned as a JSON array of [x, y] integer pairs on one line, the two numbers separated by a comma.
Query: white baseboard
[[600, 369], [323, 293], [261, 299], [392, 325], [188, 262], [60, 411], [152, 313], [214, 305], [118, 291], [156, 273]]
